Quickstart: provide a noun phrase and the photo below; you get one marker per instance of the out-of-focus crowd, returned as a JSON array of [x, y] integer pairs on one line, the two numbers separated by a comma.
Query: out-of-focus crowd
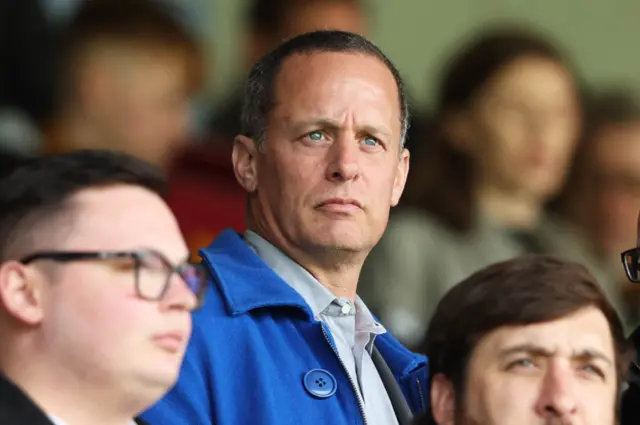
[[517, 156]]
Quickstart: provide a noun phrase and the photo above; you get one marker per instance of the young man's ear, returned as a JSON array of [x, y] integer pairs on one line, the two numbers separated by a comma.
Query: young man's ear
[[20, 293], [443, 400]]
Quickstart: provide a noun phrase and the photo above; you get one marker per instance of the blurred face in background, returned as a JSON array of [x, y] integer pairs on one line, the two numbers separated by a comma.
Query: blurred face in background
[[522, 127], [137, 100], [309, 16], [615, 163], [323, 15]]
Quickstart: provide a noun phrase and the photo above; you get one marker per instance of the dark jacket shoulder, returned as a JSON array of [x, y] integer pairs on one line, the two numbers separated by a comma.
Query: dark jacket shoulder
[[16, 408]]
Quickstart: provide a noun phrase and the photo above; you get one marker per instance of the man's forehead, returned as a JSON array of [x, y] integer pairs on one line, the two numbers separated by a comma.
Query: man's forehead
[[123, 218], [305, 70], [588, 331], [325, 87]]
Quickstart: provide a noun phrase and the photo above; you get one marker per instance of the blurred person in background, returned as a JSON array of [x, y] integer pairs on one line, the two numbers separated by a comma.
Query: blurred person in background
[[508, 119], [95, 293], [602, 194], [194, 15], [128, 70], [528, 341]]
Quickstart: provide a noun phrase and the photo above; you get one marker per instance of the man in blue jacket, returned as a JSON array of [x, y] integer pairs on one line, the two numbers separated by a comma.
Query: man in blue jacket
[[283, 338]]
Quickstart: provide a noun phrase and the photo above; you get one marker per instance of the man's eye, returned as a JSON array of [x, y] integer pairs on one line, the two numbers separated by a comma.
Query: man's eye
[[152, 263], [521, 364], [593, 370], [371, 141], [316, 136]]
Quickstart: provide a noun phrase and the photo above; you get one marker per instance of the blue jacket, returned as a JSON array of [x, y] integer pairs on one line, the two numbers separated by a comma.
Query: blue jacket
[[254, 341]]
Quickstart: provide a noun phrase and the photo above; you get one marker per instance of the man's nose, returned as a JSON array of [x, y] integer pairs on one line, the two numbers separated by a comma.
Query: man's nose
[[179, 295], [557, 398], [344, 157]]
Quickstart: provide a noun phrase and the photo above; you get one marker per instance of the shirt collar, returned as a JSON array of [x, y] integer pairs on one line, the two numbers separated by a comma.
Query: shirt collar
[[313, 292]]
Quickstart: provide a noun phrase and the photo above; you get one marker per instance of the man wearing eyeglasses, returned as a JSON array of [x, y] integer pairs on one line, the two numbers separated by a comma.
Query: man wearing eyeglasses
[[630, 406], [95, 291]]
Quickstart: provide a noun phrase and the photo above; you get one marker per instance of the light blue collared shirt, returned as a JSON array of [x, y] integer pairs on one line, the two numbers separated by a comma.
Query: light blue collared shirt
[[352, 326]]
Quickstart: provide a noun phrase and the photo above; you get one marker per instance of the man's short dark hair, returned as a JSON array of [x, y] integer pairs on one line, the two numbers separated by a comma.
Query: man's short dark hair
[[523, 291], [35, 193], [259, 93]]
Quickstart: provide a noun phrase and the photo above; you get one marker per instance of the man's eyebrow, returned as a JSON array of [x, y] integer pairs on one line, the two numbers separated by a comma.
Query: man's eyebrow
[[316, 122], [591, 354], [327, 122], [537, 350], [527, 348]]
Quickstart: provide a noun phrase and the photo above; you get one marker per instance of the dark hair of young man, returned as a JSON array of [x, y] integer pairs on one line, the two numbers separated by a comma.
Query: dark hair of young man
[[34, 197], [523, 291]]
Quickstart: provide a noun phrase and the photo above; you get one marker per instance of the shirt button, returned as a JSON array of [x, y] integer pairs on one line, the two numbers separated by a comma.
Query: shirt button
[[346, 309], [320, 383]]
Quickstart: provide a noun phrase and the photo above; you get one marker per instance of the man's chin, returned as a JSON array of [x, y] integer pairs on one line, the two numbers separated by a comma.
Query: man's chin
[[340, 240]]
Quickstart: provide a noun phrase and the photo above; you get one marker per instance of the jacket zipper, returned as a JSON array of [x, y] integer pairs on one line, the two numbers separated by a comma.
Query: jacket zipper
[[424, 405], [353, 385]]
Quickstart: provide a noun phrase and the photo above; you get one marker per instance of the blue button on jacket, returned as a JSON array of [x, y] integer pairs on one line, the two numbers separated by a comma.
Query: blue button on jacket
[[253, 343]]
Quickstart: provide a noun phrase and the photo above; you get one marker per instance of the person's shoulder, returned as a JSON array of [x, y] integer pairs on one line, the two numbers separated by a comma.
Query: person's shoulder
[[17, 408]]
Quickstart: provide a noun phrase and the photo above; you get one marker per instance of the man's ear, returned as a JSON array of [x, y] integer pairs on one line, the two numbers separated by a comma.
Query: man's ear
[[244, 158], [21, 293], [443, 400]]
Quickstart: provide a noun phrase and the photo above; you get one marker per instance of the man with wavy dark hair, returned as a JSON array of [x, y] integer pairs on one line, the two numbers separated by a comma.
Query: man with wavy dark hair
[[529, 341]]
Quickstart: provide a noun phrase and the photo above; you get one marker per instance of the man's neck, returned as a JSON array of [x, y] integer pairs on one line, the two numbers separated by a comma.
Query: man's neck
[[58, 393], [336, 270], [342, 280], [511, 210]]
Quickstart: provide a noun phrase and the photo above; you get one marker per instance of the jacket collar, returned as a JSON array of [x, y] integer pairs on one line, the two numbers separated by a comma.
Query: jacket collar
[[13, 397], [245, 281]]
